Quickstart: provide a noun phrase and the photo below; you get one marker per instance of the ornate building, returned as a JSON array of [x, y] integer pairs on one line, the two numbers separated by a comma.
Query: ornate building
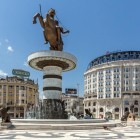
[[19, 94], [112, 84]]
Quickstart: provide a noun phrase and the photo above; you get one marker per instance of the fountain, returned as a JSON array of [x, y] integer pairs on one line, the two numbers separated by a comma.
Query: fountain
[[52, 62]]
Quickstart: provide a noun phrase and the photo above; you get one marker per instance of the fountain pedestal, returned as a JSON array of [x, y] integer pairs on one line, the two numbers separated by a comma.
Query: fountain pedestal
[[52, 63]]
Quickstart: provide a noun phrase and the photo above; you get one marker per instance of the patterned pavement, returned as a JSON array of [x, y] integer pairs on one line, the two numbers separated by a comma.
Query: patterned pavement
[[119, 133]]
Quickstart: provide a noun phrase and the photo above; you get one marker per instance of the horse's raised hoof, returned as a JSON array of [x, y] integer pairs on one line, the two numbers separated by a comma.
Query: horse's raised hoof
[[46, 42]]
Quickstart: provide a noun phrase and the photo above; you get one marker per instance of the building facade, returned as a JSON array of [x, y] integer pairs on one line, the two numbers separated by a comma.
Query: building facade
[[19, 94], [73, 104], [112, 84]]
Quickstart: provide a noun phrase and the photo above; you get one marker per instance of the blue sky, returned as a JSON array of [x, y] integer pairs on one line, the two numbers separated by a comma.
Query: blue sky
[[96, 27]]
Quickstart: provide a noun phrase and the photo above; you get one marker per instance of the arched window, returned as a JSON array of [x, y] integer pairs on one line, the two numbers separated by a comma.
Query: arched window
[[126, 102], [135, 102], [136, 109], [126, 109], [101, 110], [94, 104], [89, 109], [94, 110], [116, 109], [89, 104]]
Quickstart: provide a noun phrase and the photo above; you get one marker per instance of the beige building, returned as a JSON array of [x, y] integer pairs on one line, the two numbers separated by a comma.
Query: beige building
[[112, 84], [73, 104], [18, 94]]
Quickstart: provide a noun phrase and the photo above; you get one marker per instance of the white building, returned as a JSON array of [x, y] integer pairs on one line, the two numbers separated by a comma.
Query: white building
[[112, 84]]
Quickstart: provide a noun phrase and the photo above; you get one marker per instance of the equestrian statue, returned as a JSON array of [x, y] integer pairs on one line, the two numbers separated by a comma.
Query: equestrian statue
[[51, 30]]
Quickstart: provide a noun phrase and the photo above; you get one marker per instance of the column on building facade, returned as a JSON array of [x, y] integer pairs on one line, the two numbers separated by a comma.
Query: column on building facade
[[104, 80], [6, 94], [112, 83]]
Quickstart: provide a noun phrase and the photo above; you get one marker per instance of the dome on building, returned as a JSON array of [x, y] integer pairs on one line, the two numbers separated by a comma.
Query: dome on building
[[114, 56]]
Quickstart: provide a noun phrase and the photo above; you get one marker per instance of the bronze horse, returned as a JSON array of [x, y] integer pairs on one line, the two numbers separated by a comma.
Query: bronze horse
[[52, 31]]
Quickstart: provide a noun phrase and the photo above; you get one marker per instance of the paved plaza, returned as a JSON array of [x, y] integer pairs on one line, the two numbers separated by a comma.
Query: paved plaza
[[119, 133]]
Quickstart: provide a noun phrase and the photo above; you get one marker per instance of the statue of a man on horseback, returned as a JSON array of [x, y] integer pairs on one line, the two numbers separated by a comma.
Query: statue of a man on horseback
[[52, 31]]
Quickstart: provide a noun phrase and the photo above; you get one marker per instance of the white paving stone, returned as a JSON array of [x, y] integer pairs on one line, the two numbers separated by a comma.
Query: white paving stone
[[119, 133]]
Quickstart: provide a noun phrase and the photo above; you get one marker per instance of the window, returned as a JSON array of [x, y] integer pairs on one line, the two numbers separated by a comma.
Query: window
[[100, 72], [108, 71], [135, 102], [127, 88], [117, 109], [136, 109], [107, 95], [22, 101], [94, 110], [22, 88], [100, 90], [127, 69], [108, 89], [116, 95], [101, 110], [4, 86], [126, 82], [126, 109], [116, 75], [126, 76], [116, 70], [136, 69], [100, 96], [100, 84], [116, 83], [94, 104], [126, 102], [89, 104], [108, 77], [108, 83], [11, 86]]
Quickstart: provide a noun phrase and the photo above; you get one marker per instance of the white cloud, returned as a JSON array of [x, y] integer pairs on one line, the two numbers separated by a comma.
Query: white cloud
[[6, 40], [25, 64], [2, 73], [10, 49]]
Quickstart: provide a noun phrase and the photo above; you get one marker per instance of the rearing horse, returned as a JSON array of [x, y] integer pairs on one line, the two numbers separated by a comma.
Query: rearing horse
[[51, 33]]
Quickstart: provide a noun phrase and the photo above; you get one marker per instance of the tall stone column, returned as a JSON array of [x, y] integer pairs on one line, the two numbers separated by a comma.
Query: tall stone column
[[52, 82], [52, 63]]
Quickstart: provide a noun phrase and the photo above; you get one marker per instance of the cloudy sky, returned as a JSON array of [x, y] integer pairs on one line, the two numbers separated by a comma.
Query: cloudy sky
[[96, 27]]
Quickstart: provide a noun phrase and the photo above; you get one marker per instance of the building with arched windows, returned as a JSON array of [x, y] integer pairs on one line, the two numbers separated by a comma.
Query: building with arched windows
[[112, 84]]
